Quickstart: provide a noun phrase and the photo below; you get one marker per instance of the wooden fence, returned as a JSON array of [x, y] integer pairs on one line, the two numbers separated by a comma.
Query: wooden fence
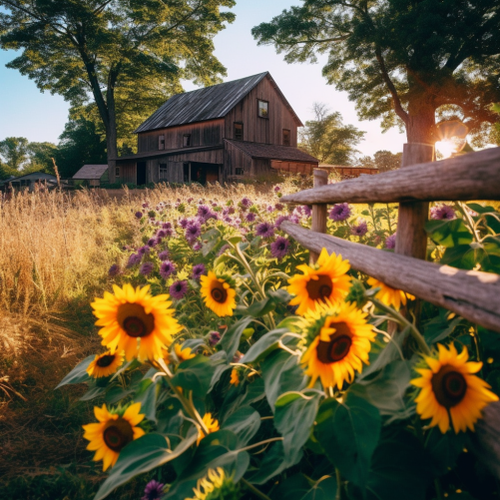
[[474, 295]]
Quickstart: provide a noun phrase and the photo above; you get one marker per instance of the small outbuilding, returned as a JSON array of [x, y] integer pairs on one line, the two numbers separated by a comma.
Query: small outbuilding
[[92, 175], [30, 181]]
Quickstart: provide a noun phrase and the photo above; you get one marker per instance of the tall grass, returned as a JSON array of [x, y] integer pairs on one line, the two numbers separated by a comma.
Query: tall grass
[[55, 246]]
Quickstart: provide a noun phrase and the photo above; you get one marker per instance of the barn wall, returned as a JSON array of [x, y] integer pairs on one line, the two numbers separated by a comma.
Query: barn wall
[[262, 130], [236, 159], [207, 133], [127, 173]]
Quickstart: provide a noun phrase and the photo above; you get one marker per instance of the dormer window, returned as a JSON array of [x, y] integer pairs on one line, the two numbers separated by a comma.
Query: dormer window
[[161, 142], [186, 140], [238, 131], [286, 137], [263, 109]]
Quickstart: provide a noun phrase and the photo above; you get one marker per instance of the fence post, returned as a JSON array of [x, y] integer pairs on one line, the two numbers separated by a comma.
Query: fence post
[[411, 239], [318, 211]]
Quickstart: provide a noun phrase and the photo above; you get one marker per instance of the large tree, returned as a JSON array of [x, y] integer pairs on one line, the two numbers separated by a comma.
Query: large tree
[[400, 58], [133, 51], [328, 139]]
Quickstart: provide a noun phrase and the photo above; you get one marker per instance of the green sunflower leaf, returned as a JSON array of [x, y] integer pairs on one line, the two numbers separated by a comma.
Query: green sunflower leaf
[[195, 375], [78, 374], [299, 487], [352, 430], [230, 341]]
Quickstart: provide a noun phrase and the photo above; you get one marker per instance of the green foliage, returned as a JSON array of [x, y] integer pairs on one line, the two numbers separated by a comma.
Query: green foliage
[[383, 160], [327, 139], [399, 60]]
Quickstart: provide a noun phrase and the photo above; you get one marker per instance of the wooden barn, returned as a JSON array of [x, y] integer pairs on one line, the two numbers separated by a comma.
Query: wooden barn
[[234, 130], [92, 175]]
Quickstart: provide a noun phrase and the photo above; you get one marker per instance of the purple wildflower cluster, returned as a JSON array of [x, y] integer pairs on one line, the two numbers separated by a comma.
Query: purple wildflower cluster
[[360, 229], [153, 491], [340, 212], [390, 242], [265, 230], [443, 212], [279, 248], [178, 289]]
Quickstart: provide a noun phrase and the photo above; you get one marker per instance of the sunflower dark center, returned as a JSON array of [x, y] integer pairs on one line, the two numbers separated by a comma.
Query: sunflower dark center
[[321, 288], [118, 434], [105, 360], [219, 294], [338, 347], [134, 320], [449, 386]]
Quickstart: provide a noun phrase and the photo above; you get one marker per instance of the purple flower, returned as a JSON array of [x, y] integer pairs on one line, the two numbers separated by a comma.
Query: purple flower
[[153, 491], [178, 289], [280, 219], [340, 211], [197, 246], [277, 189], [213, 338], [245, 202], [184, 223], [145, 205], [250, 217], [307, 210], [138, 215], [203, 212], [189, 200], [166, 269], [193, 230], [152, 242], [161, 233], [166, 225], [265, 230], [360, 230], [279, 206], [147, 268], [143, 250], [270, 208], [279, 248], [390, 242], [443, 212], [133, 260], [294, 219], [228, 219], [114, 270], [222, 250], [163, 255], [198, 271]]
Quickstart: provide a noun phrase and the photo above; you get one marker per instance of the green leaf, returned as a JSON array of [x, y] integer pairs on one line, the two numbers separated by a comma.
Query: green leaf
[[461, 256], [220, 363], [147, 394], [294, 418], [444, 449], [281, 373], [298, 487], [230, 341], [142, 455], [195, 375], [272, 463], [449, 233], [78, 374], [259, 309], [244, 422], [92, 393], [440, 327], [349, 433], [265, 345], [399, 468]]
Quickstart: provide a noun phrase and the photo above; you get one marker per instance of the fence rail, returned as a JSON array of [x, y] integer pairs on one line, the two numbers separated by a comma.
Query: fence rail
[[475, 176]]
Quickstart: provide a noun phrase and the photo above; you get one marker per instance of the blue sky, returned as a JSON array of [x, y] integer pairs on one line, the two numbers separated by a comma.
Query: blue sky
[[26, 112]]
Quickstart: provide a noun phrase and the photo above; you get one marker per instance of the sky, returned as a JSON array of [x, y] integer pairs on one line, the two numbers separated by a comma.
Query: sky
[[40, 117]]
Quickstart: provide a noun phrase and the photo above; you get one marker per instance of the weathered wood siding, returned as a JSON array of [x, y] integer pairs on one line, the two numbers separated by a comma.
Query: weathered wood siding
[[128, 173], [236, 159], [208, 133], [293, 167], [262, 130]]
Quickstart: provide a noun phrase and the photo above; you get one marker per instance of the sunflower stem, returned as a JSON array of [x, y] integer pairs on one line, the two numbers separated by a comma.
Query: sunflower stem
[[437, 486], [402, 320], [340, 485], [254, 490], [260, 443]]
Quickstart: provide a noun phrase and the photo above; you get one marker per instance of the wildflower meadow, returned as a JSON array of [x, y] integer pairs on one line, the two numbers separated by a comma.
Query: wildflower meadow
[[211, 358]]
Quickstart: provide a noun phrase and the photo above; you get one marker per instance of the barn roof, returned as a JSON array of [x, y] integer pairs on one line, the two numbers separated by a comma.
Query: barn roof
[[207, 103], [90, 172], [273, 152], [33, 176]]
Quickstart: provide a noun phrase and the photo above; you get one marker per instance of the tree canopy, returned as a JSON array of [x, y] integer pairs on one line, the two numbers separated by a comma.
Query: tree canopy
[[127, 55], [327, 139], [383, 160], [400, 58]]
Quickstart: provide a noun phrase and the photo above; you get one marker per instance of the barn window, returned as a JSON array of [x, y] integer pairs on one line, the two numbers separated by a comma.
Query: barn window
[[263, 109], [186, 141], [286, 137], [117, 172], [162, 175], [161, 142], [239, 171], [238, 131]]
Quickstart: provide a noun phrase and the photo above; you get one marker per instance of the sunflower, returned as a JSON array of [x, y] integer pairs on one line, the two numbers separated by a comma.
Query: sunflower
[[183, 354], [213, 481], [105, 364], [390, 296], [235, 378], [212, 425], [135, 322], [218, 295], [450, 391], [341, 343], [113, 432], [327, 280]]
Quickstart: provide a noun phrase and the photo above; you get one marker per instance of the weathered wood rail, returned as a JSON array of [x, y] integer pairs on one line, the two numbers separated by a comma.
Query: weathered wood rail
[[476, 176]]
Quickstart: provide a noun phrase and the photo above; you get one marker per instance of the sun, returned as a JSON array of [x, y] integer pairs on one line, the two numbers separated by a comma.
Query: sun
[[218, 294], [135, 322], [105, 364], [450, 393], [113, 432], [327, 280], [340, 339]]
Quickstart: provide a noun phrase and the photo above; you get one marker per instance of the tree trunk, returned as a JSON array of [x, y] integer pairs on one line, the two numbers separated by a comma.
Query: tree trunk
[[421, 122]]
